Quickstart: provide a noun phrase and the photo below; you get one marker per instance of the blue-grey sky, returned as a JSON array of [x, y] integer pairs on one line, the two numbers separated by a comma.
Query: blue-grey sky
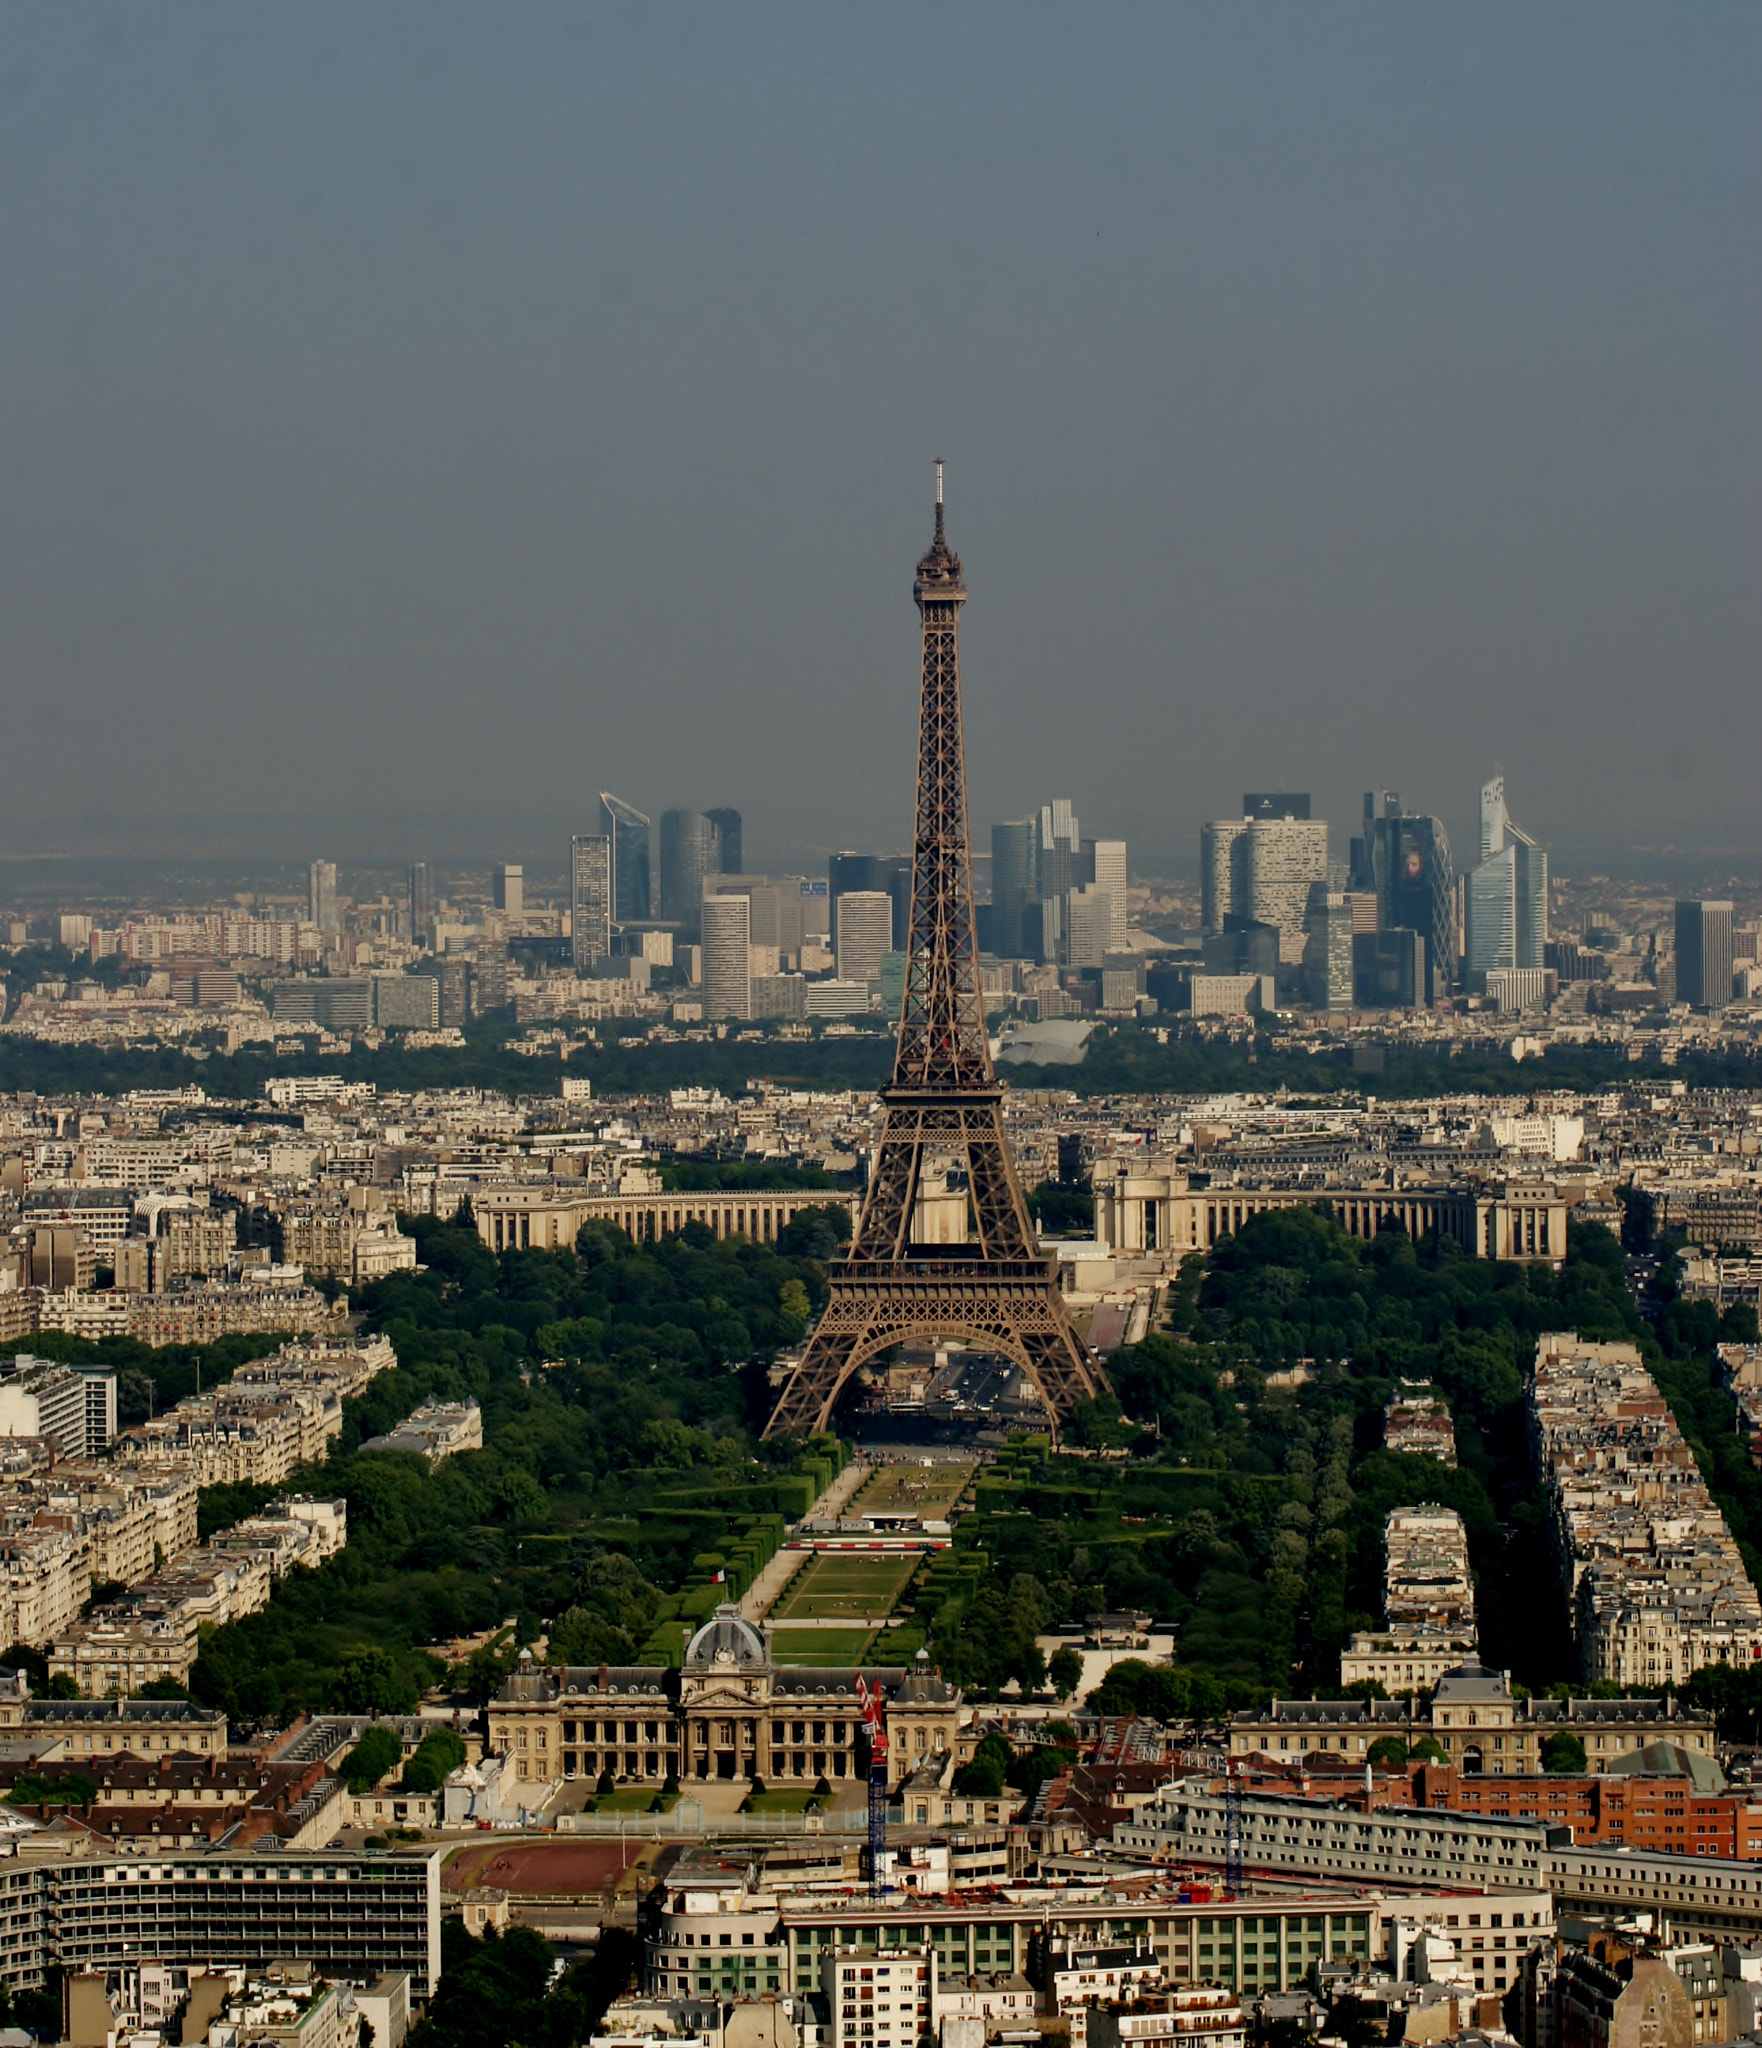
[[414, 418]]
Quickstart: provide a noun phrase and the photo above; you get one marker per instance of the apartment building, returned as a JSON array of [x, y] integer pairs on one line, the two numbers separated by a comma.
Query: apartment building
[[1428, 1601], [1417, 1424], [1476, 1720], [73, 1903], [1657, 1587]]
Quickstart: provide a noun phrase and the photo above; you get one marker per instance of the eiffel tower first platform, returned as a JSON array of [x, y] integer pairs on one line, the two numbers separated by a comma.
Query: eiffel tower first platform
[[944, 1121]]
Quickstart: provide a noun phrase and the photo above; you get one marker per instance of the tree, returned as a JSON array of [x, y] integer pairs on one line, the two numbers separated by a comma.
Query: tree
[[1427, 1750], [793, 1310], [376, 1753], [438, 1755], [1065, 1669], [61, 1687], [984, 1777], [372, 1681], [485, 1670], [1563, 1752], [1388, 1752]]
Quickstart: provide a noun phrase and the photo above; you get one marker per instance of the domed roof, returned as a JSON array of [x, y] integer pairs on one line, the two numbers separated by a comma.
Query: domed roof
[[725, 1639]]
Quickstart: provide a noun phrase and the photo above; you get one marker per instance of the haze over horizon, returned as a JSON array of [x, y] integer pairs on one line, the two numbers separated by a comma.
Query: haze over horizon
[[415, 422]]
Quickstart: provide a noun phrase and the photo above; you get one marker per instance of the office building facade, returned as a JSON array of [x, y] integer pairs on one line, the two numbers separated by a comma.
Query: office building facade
[[1106, 863], [865, 932], [1505, 897], [730, 850], [628, 830], [590, 899], [1287, 860], [1389, 970], [1223, 872], [1404, 857], [510, 888], [727, 954], [1012, 885], [421, 904], [1060, 852], [690, 850], [321, 896], [1704, 954], [1327, 954]]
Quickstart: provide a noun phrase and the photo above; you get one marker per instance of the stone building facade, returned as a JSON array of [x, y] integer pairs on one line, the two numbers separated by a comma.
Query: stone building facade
[[730, 1712]]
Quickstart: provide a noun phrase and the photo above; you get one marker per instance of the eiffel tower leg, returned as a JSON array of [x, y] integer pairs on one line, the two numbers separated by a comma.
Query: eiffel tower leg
[[805, 1407]]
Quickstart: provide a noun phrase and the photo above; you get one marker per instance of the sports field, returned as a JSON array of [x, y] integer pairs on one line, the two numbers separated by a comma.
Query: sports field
[[926, 1490], [843, 1647], [833, 1587]]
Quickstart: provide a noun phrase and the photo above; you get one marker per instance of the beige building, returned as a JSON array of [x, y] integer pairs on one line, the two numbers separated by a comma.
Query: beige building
[[518, 1218], [1143, 1208], [1477, 1721], [730, 1712]]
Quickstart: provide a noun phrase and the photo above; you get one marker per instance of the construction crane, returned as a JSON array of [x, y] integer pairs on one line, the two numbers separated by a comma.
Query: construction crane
[[875, 1720]]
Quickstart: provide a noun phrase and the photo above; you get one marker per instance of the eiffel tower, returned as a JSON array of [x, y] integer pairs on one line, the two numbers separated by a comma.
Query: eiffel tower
[[944, 1111]]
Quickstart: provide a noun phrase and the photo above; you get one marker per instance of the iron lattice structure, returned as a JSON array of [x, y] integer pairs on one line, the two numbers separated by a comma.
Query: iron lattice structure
[[943, 1106]]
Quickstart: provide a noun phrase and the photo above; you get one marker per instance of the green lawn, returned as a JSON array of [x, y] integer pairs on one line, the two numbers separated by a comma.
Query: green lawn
[[632, 1799], [783, 1802], [831, 1587], [840, 1646]]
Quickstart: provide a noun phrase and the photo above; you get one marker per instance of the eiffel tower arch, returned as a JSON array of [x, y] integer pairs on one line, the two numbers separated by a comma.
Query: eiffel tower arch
[[918, 1268]]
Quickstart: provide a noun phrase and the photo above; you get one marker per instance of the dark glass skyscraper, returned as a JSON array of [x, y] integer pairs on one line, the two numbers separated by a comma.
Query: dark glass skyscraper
[[1012, 883], [421, 903], [1407, 856], [730, 853], [688, 853], [1704, 954]]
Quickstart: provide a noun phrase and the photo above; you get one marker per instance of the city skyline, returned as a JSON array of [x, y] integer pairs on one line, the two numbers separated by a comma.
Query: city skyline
[[1389, 378]]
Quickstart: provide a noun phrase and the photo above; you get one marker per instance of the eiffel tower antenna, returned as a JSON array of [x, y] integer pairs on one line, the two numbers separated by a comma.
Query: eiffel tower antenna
[[943, 1130]]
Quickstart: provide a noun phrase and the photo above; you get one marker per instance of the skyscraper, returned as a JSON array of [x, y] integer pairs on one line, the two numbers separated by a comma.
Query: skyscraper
[[727, 970], [1505, 899], [1405, 857], [1327, 956], [1704, 954], [729, 850], [510, 888], [1012, 883], [321, 896], [1223, 872], [1060, 854], [688, 853], [1263, 868], [628, 830], [1287, 861], [865, 932], [1110, 878], [590, 899], [421, 904], [1089, 920]]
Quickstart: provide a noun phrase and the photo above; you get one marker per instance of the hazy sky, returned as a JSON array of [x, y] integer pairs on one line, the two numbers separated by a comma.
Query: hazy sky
[[414, 418]]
